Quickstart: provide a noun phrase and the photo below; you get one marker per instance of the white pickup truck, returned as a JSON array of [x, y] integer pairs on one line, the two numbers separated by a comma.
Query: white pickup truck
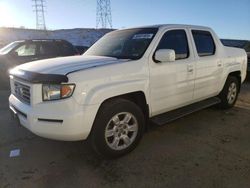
[[131, 76]]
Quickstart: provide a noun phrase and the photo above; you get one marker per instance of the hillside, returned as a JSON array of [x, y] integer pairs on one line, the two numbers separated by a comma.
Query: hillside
[[79, 36]]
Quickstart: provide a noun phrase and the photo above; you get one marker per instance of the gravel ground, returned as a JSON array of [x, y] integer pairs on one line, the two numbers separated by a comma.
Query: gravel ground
[[210, 148]]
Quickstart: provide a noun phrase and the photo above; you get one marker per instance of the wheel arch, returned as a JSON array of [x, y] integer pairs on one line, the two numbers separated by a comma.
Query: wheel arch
[[138, 97], [236, 74]]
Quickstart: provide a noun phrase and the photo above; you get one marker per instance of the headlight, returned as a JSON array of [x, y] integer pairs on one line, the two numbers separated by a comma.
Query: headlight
[[56, 92]]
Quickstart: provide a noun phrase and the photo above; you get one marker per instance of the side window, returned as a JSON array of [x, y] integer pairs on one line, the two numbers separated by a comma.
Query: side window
[[47, 49], [26, 50], [177, 41], [204, 43]]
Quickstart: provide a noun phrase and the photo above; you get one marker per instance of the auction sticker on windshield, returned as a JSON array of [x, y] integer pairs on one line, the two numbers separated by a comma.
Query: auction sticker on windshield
[[143, 36]]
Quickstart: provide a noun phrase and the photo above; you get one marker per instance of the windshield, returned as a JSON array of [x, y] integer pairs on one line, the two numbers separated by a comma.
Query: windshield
[[8, 48], [124, 44]]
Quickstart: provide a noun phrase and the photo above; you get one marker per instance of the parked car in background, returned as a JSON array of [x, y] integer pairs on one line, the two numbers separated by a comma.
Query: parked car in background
[[244, 44], [81, 49], [24, 51]]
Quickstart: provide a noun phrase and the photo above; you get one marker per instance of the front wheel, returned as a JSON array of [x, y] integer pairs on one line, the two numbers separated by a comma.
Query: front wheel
[[118, 128], [230, 92]]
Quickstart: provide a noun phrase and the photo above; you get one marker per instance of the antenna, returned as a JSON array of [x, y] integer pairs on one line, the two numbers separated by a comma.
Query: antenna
[[39, 8], [103, 14]]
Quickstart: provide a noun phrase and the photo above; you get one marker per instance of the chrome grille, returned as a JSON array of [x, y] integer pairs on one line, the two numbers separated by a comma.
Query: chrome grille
[[22, 92]]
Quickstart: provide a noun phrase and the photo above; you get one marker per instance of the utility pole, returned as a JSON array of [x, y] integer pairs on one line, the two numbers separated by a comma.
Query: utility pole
[[103, 14], [39, 9]]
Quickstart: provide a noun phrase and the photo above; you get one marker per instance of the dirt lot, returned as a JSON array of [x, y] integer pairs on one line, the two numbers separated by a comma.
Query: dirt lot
[[210, 148]]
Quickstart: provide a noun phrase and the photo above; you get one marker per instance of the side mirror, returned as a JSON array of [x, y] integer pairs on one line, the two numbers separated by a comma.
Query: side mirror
[[165, 55]]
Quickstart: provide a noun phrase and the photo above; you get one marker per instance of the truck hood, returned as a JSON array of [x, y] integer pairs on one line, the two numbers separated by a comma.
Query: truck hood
[[66, 65]]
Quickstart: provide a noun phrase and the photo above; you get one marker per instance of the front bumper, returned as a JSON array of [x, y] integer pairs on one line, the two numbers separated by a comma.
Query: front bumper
[[60, 120]]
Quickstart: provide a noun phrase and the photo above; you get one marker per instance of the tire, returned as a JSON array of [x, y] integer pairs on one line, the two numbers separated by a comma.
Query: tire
[[113, 135], [230, 92]]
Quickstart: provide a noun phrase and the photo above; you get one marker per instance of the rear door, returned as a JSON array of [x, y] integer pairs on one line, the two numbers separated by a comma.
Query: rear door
[[209, 67], [172, 83]]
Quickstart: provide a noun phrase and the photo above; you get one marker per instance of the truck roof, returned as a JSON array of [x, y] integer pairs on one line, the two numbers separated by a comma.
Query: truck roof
[[173, 25]]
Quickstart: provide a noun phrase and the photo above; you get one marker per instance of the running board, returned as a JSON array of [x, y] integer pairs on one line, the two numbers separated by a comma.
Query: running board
[[167, 117]]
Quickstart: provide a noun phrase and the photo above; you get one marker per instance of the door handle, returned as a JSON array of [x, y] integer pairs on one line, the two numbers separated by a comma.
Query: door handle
[[219, 64], [190, 68]]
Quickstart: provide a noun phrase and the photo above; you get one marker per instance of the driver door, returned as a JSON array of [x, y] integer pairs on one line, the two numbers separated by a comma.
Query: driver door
[[172, 83]]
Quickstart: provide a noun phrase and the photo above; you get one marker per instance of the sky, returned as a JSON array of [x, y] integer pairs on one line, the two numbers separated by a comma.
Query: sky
[[229, 18]]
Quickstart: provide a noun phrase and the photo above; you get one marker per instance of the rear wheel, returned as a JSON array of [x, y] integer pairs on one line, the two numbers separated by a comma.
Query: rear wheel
[[118, 128], [229, 94]]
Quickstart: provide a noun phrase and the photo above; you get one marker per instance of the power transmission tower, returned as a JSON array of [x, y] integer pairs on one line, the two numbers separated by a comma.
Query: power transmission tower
[[103, 14], [39, 8]]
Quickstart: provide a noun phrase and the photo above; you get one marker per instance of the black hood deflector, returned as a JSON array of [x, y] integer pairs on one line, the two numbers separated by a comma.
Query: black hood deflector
[[34, 77]]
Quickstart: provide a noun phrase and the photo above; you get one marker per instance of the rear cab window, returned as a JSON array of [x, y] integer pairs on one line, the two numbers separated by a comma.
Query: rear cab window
[[177, 41], [204, 43]]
